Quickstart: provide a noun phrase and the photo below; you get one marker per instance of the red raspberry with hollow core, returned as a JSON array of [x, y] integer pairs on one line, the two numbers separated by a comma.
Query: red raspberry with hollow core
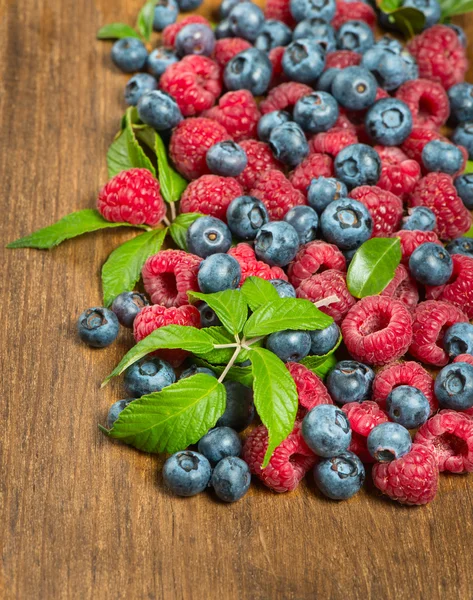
[[132, 196], [411, 479], [399, 174], [377, 330], [332, 141], [238, 113], [210, 195], [363, 417], [459, 289], [326, 284], [284, 96], [279, 10], [310, 389], [260, 159], [315, 165], [340, 59], [291, 460], [169, 275], [353, 11], [428, 102], [430, 321], [278, 76], [412, 239], [313, 258], [384, 207], [252, 267], [450, 434], [277, 194], [403, 287], [170, 32], [226, 48]]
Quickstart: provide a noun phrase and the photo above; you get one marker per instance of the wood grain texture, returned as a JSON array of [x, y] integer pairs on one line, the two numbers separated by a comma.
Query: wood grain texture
[[82, 517]]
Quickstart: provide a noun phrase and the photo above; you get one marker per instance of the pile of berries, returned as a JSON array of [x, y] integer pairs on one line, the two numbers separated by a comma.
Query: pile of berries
[[302, 134]]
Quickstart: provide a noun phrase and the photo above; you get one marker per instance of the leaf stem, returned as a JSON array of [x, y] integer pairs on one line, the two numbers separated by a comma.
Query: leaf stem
[[166, 221], [173, 211], [220, 346], [230, 364], [254, 340]]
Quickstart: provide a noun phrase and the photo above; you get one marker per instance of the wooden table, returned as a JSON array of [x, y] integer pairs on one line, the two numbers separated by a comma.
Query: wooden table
[[82, 517]]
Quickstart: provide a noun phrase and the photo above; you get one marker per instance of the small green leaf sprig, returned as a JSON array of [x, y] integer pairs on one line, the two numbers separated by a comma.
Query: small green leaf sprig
[[142, 31]]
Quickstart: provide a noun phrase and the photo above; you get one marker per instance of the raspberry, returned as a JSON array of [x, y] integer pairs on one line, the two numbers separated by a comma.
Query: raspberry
[[278, 76], [310, 389], [468, 358], [430, 321], [353, 11], [363, 417], [377, 330], [450, 433], [437, 192], [226, 48], [238, 113], [427, 101], [170, 32], [403, 373], [155, 316], [459, 289], [194, 82], [411, 479], [277, 194], [340, 59], [410, 240], [315, 165], [279, 10], [132, 197], [343, 122], [440, 55], [323, 285], [210, 195], [403, 287], [419, 137], [260, 159], [252, 267], [332, 141], [313, 258], [169, 275], [190, 141], [399, 174], [284, 96], [384, 207], [289, 463]]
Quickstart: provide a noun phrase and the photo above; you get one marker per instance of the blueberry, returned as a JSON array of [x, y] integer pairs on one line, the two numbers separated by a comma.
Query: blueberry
[[277, 243], [349, 254], [303, 60], [350, 381], [326, 430], [324, 190], [239, 410], [429, 8], [188, 5], [289, 345], [458, 339], [389, 122], [324, 340], [410, 66], [354, 88], [246, 20], [461, 102], [115, 410], [159, 110], [462, 245], [245, 217], [442, 156], [272, 34], [289, 144], [308, 9], [420, 218], [346, 223], [305, 221], [129, 54], [358, 164], [270, 121], [249, 70], [463, 136], [340, 477], [195, 370], [208, 317], [388, 441], [98, 327], [165, 14], [316, 112], [187, 473], [138, 85], [324, 82], [219, 272], [431, 264], [454, 386], [223, 30], [226, 7], [387, 65], [283, 288], [227, 159], [355, 36], [231, 479], [219, 443], [148, 375], [127, 305], [408, 406], [159, 60], [318, 30], [208, 235], [464, 186], [195, 38]]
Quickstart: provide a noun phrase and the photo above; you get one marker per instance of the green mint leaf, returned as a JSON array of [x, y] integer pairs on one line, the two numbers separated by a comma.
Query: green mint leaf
[[469, 164], [125, 151], [123, 267], [117, 155], [243, 375], [388, 6], [469, 233], [116, 31], [408, 21], [171, 336], [174, 418], [230, 307], [258, 291], [70, 226], [275, 395], [285, 313], [220, 356], [451, 8], [373, 266], [144, 24], [136, 153], [179, 227], [320, 365]]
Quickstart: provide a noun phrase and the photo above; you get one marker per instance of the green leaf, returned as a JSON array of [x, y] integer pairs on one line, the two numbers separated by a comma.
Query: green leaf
[[136, 153], [285, 313], [144, 24], [243, 375], [171, 336], [320, 365], [123, 267], [407, 20], [125, 151], [70, 226], [468, 166], [174, 418], [221, 356], [116, 31], [469, 233], [388, 5], [230, 307], [258, 291], [179, 227], [373, 266], [118, 158], [275, 396], [451, 8]]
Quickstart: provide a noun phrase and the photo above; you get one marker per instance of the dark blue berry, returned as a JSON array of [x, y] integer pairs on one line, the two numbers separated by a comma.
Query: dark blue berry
[[463, 136], [219, 443], [464, 186], [195, 38], [324, 82], [408, 406], [195, 370], [387, 65], [231, 479], [326, 430], [115, 410], [208, 235], [223, 30], [303, 60], [226, 7], [148, 375], [461, 102], [208, 317], [305, 221], [138, 85], [454, 386], [346, 223], [159, 110], [165, 14], [219, 272], [245, 217], [289, 345], [431, 264], [246, 20], [127, 305], [188, 5], [269, 121], [129, 54], [389, 122], [272, 34], [289, 144], [283, 288], [458, 339], [239, 410], [227, 159], [340, 477], [420, 218], [462, 245], [159, 60], [98, 327], [316, 112], [388, 442], [187, 473], [308, 9], [350, 381], [358, 164], [355, 36], [318, 30], [324, 340], [324, 190], [277, 243], [429, 8], [442, 156], [354, 88], [249, 70]]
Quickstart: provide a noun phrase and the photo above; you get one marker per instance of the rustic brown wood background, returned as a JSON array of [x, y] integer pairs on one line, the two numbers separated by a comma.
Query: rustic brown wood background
[[85, 518]]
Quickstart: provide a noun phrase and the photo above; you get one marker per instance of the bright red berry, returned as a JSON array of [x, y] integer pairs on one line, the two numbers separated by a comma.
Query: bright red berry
[[459, 289], [340, 59], [252, 267], [468, 358], [353, 11], [412, 239], [310, 389], [363, 417], [384, 207], [313, 258], [284, 96], [278, 76], [323, 285], [260, 159], [403, 287], [170, 32], [277, 194], [332, 141], [210, 195], [417, 140], [279, 10], [315, 165], [226, 48], [428, 102], [238, 113], [399, 174]]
